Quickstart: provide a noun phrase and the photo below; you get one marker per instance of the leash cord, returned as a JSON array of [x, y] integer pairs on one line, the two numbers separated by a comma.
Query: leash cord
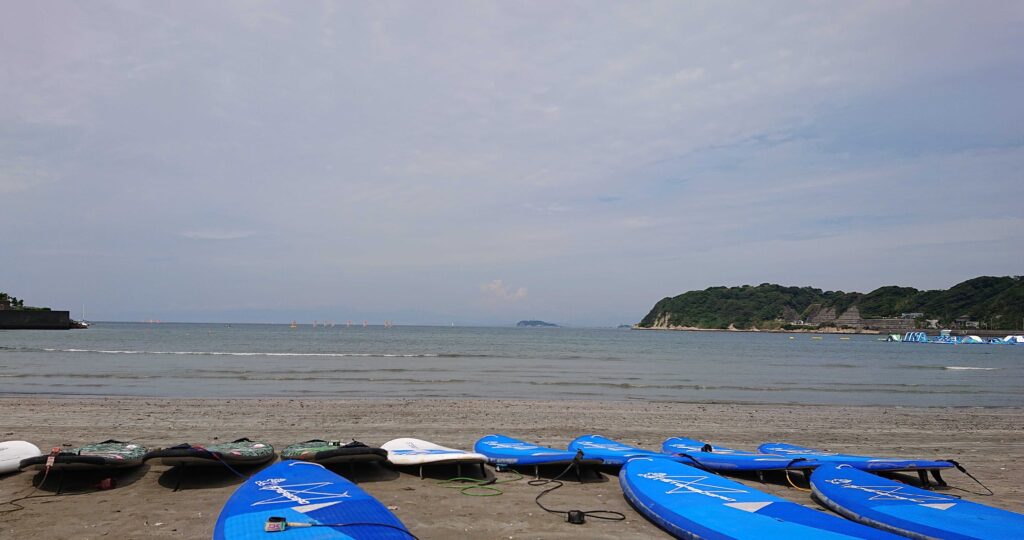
[[478, 487], [609, 515], [32, 495], [354, 524], [963, 469], [790, 480]]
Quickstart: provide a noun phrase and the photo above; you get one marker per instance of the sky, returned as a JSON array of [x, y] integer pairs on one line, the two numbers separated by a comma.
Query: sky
[[486, 162]]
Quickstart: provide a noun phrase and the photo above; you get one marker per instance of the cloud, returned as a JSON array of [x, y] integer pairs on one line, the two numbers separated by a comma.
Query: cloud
[[497, 289], [385, 158], [548, 207], [215, 234], [22, 178], [639, 222]]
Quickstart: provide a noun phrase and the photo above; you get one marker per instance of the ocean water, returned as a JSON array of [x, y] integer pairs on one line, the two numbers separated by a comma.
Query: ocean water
[[246, 360]]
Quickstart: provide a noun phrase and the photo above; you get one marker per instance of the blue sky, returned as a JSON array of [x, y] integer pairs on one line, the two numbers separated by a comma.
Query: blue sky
[[482, 163]]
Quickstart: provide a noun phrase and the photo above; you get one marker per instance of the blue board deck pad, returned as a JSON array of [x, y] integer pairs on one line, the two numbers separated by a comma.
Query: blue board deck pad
[[720, 458], [501, 449], [865, 463], [691, 503], [612, 452], [314, 502], [910, 511]]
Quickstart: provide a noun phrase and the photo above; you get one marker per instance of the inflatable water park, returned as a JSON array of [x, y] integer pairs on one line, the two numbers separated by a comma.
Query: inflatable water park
[[684, 487]]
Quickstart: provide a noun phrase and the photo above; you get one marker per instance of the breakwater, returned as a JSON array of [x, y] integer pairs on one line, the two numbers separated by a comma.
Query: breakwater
[[34, 320]]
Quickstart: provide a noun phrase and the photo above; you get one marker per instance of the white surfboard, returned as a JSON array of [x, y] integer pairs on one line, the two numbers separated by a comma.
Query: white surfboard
[[414, 452], [12, 452]]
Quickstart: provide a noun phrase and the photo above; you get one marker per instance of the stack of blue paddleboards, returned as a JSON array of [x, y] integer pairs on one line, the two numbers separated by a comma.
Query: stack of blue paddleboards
[[723, 459], [611, 452], [691, 503], [678, 490], [505, 450], [866, 463]]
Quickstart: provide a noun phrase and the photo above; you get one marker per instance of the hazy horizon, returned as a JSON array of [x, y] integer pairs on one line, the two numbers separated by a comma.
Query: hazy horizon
[[484, 163], [325, 317]]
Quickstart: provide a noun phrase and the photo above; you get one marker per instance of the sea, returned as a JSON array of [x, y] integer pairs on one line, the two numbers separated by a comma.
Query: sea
[[401, 362]]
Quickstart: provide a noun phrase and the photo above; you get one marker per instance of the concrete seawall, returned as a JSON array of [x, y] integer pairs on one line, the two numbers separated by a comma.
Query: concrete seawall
[[34, 320]]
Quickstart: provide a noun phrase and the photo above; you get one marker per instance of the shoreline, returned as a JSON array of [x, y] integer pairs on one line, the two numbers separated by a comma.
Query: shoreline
[[845, 331], [850, 331], [585, 400], [988, 441]]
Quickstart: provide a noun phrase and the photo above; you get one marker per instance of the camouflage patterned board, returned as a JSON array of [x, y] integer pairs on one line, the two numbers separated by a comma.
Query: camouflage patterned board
[[108, 454], [239, 453], [328, 452]]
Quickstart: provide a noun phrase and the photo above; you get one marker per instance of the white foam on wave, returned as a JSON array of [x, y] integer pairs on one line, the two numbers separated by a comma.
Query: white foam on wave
[[230, 353], [965, 368]]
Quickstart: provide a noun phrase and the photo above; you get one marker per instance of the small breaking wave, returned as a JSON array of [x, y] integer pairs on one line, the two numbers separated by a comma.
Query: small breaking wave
[[969, 368], [262, 353], [946, 368]]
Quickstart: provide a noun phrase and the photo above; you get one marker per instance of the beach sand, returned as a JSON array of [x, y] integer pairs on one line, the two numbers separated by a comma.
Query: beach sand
[[989, 442]]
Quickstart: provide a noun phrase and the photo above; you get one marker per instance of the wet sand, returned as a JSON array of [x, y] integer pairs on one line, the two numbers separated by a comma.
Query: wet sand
[[988, 441]]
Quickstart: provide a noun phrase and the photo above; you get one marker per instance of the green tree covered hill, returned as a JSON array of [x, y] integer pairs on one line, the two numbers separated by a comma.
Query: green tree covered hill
[[997, 302], [8, 302]]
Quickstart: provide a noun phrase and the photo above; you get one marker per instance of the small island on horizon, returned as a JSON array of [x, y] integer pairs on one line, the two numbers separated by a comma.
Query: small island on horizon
[[536, 324]]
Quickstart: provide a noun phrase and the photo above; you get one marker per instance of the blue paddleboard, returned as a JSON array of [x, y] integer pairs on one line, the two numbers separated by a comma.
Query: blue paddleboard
[[612, 452], [908, 510], [864, 463], [305, 493], [501, 449], [720, 458], [691, 503]]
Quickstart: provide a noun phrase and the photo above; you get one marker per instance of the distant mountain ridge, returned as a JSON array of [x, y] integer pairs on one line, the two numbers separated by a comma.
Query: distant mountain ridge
[[982, 302]]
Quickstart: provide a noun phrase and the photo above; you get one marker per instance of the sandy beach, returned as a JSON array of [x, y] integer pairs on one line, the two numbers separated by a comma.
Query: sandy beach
[[988, 441]]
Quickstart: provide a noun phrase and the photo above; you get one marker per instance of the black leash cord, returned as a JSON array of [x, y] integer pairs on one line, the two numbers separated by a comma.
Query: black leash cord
[[696, 462], [218, 457], [609, 515], [962, 469], [32, 495], [17, 507]]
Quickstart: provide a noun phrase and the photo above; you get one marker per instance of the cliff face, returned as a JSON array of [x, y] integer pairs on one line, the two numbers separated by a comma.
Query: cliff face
[[816, 314], [34, 320]]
